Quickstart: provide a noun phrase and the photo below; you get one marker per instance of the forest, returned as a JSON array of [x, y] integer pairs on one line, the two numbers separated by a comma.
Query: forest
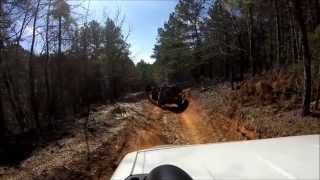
[[74, 67], [232, 39], [69, 67]]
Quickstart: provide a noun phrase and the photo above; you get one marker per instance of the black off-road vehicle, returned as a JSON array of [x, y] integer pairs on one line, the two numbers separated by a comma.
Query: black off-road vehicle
[[167, 96]]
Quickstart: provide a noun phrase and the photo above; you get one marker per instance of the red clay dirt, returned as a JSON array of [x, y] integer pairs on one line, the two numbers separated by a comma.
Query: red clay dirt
[[126, 127]]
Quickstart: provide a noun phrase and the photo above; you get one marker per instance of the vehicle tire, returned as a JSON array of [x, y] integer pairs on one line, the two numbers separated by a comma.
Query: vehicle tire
[[161, 102]]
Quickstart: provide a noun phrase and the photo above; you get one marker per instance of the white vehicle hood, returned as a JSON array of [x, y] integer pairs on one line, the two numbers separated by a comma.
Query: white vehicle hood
[[278, 158]]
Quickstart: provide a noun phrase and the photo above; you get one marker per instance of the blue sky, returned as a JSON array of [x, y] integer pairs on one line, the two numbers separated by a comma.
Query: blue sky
[[142, 18]]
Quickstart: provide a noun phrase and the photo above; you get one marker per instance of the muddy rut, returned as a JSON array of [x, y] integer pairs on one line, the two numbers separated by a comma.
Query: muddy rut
[[193, 126], [162, 127]]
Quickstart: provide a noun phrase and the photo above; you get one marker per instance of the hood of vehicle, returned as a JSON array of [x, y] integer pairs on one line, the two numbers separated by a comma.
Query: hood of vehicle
[[278, 158]]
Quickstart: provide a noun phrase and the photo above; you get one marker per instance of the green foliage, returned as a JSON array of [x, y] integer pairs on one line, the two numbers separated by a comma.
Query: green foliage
[[219, 39], [179, 42], [106, 47], [193, 38], [170, 50], [144, 71], [227, 38]]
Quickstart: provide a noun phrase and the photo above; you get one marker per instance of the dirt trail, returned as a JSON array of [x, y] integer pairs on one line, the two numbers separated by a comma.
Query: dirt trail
[[193, 126], [194, 123], [187, 127], [165, 127], [123, 128]]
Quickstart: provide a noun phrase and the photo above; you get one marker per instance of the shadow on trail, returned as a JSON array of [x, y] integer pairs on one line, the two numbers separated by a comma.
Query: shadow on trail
[[177, 109], [17, 148]]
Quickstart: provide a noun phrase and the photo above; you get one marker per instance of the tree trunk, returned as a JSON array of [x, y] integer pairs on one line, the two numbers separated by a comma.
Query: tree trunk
[[294, 40], [33, 98], [3, 128], [46, 73], [318, 97], [317, 9], [232, 79], [318, 91], [278, 34], [24, 22], [307, 58], [60, 37], [14, 102], [242, 57], [251, 40], [58, 84], [242, 61]]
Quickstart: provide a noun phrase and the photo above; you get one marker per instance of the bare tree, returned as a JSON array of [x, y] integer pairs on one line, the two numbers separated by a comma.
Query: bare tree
[[46, 71], [33, 101], [278, 31], [2, 118], [24, 24], [61, 12], [3, 128], [251, 38], [307, 57]]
